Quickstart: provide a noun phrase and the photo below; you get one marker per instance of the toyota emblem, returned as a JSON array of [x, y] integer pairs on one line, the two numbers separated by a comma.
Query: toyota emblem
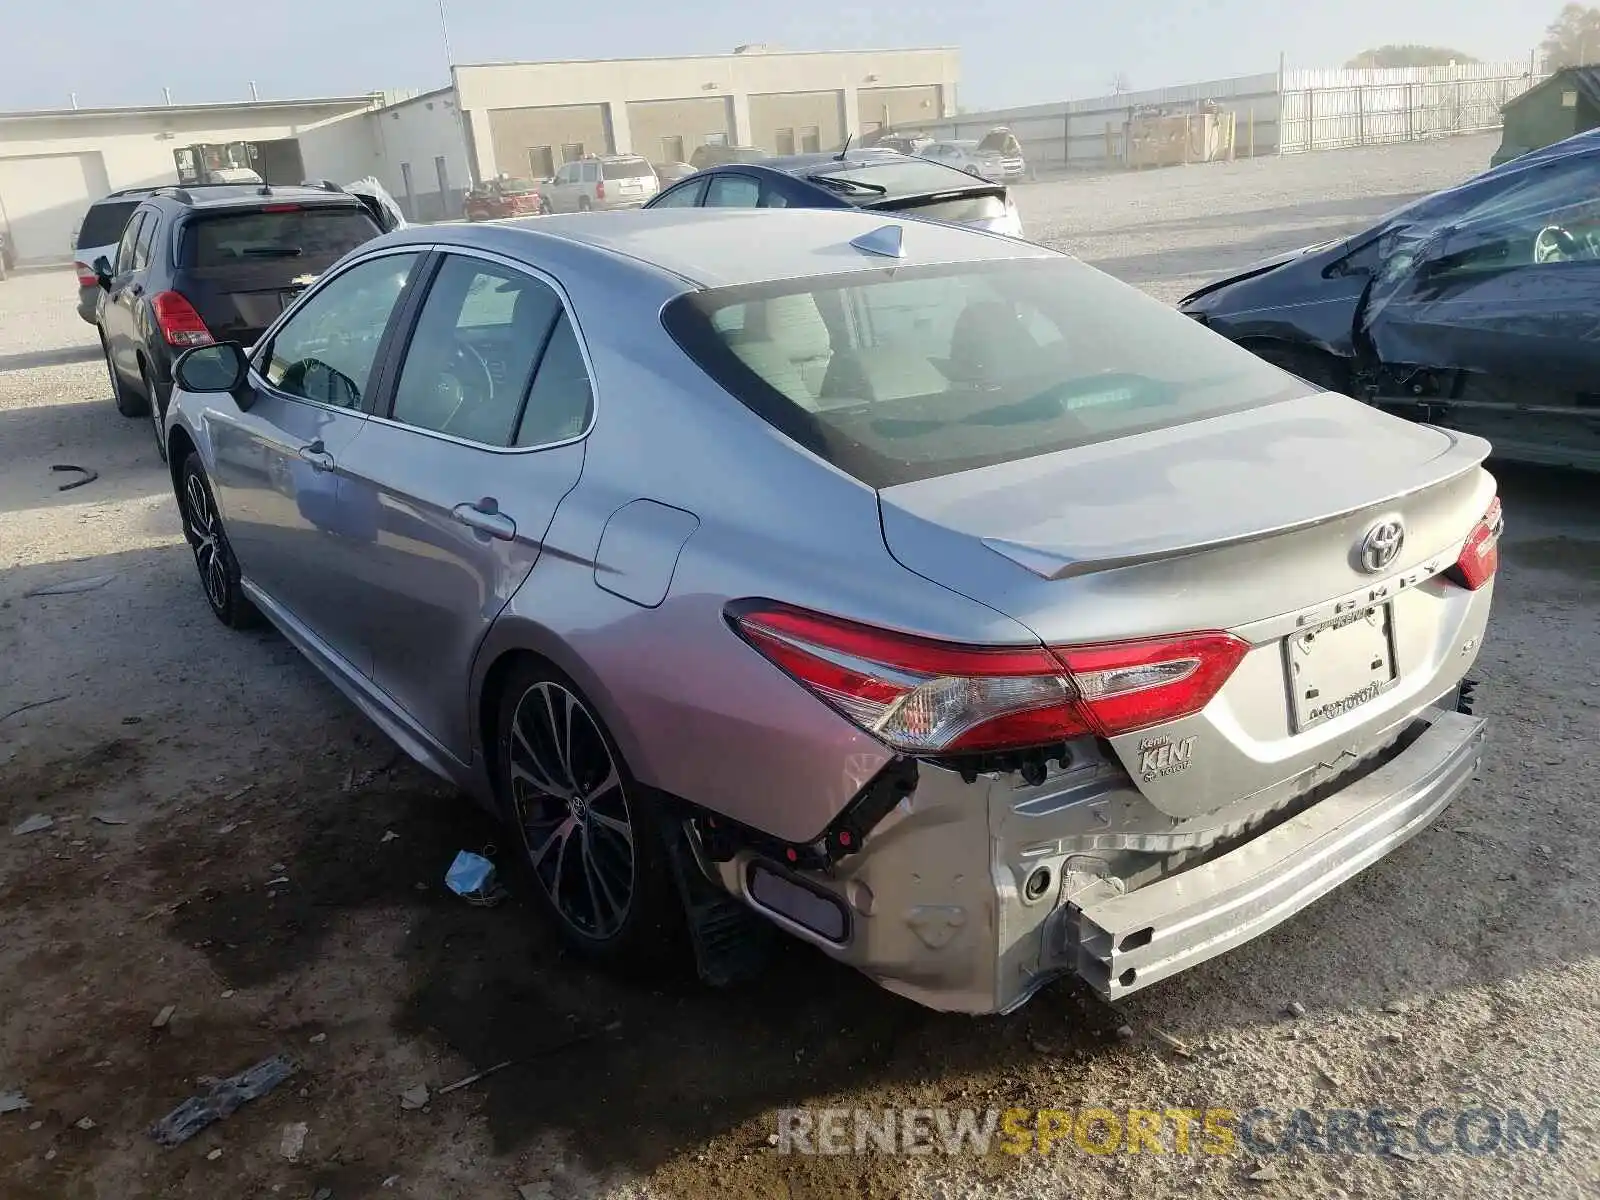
[[1381, 546]]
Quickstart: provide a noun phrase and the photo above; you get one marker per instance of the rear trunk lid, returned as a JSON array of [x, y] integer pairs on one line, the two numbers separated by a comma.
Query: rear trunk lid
[[1253, 522]]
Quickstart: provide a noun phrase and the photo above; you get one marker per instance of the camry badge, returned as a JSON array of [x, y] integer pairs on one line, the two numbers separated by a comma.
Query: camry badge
[[1381, 545]]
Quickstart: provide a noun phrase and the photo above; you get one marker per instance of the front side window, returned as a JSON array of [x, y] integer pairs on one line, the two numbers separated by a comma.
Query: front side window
[[898, 374], [482, 331], [130, 237], [732, 191], [325, 351]]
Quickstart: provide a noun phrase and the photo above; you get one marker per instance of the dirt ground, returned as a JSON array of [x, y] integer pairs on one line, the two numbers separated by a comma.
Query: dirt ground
[[230, 838]]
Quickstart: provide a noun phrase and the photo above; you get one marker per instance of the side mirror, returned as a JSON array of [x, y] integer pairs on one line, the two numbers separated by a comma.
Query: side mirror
[[102, 272], [219, 367]]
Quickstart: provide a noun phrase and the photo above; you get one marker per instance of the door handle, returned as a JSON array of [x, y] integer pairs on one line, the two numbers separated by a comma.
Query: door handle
[[485, 517], [317, 456]]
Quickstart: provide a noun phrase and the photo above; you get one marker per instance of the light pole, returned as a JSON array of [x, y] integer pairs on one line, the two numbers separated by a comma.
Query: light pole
[[444, 33]]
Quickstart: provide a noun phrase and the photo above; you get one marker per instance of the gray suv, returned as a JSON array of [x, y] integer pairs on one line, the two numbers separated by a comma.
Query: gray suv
[[612, 181]]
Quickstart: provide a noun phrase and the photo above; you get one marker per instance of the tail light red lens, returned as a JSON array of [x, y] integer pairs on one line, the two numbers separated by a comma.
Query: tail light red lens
[[179, 322], [929, 697], [1480, 557], [600, 189], [86, 276]]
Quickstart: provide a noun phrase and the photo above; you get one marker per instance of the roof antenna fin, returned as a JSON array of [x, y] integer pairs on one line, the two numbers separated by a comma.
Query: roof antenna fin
[[885, 240]]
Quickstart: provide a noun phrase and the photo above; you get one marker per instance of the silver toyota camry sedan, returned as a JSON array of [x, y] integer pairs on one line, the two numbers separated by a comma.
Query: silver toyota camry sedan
[[926, 594]]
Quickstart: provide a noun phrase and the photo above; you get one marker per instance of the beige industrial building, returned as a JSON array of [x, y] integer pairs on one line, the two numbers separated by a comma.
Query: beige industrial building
[[517, 118]]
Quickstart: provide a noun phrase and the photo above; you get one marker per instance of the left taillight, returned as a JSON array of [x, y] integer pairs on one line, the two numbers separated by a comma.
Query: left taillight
[[928, 697], [180, 325], [1480, 557], [86, 276]]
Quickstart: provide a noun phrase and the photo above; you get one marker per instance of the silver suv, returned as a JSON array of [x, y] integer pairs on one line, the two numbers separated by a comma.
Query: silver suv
[[612, 181]]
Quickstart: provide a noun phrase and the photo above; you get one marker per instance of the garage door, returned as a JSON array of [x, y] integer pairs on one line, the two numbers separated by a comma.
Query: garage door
[[42, 199]]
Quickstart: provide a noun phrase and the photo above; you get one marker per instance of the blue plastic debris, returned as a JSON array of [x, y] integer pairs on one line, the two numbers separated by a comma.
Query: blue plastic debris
[[472, 877]]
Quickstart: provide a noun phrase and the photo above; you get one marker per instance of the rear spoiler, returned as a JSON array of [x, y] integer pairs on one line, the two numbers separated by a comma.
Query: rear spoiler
[[979, 188]]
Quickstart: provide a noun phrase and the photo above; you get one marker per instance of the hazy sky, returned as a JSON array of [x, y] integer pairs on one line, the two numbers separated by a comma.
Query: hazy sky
[[1018, 52]]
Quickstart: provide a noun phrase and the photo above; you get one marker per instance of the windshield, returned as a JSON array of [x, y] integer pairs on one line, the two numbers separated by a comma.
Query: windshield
[[324, 233], [900, 374]]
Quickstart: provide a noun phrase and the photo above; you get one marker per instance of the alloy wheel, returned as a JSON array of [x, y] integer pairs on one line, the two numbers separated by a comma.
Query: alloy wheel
[[205, 536], [572, 810]]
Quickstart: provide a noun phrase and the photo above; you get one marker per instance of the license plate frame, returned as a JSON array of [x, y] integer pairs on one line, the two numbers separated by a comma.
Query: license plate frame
[[1341, 665]]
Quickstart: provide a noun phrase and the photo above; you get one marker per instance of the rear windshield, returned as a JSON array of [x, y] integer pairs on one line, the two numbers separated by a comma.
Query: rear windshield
[[512, 186], [899, 374], [325, 233], [628, 168], [103, 223], [898, 176]]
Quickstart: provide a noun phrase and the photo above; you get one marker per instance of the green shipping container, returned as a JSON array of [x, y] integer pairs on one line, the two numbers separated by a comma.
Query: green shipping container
[[1549, 112]]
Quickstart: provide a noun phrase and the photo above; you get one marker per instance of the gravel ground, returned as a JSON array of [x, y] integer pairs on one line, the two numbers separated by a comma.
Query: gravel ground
[[231, 839]]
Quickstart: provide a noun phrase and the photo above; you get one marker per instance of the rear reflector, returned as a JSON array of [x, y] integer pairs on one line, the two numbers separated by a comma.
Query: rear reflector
[[86, 276], [928, 697], [1480, 557], [179, 322]]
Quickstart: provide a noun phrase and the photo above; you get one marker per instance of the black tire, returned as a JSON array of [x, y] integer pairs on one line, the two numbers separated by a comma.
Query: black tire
[[157, 410], [213, 556], [129, 402], [583, 204], [577, 876]]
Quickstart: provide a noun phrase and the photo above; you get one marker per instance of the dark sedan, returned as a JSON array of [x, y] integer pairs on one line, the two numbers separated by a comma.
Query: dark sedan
[[866, 178], [1473, 308]]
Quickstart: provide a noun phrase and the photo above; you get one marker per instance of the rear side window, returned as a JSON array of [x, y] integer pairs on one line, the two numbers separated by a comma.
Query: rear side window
[[628, 168], [103, 223], [899, 374], [230, 238]]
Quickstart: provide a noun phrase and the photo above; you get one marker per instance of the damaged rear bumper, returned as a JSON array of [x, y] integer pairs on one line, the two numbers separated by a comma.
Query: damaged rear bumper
[[1127, 942], [970, 896]]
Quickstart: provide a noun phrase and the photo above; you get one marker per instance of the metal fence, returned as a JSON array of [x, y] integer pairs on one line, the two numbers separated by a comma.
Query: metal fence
[[1325, 109], [1091, 132], [1284, 112]]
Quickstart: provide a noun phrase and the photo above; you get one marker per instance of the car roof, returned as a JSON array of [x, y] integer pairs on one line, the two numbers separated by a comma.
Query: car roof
[[241, 195], [722, 247]]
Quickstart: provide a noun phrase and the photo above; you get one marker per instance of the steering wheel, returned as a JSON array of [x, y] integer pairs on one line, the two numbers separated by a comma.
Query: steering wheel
[[1554, 243], [464, 376]]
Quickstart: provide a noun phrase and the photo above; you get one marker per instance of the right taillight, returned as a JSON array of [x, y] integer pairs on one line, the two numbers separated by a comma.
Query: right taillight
[[86, 276], [1480, 557], [928, 697]]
